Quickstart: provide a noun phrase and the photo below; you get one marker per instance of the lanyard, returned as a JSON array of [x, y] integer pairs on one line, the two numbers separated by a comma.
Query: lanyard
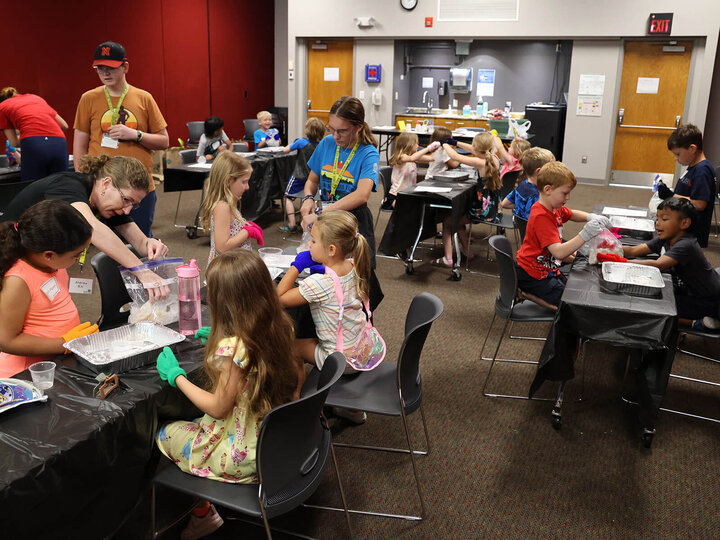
[[115, 110], [81, 259], [337, 176]]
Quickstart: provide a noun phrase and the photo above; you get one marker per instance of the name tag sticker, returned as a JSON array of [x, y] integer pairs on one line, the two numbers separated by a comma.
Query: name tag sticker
[[80, 286], [50, 288], [108, 141]]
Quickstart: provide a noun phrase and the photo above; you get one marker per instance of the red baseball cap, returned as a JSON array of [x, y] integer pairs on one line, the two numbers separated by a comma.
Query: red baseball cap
[[110, 54]]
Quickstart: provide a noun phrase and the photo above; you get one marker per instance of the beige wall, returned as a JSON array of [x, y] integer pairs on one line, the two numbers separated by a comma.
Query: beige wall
[[375, 51], [585, 21]]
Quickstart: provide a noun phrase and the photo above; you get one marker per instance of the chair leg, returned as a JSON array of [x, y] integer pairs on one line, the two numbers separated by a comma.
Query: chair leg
[[264, 515], [153, 518], [412, 459], [177, 210], [529, 338], [342, 491]]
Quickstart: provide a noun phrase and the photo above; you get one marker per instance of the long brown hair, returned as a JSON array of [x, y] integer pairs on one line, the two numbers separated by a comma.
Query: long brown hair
[[482, 147], [124, 171], [404, 144], [351, 109], [225, 169], [340, 228], [244, 304]]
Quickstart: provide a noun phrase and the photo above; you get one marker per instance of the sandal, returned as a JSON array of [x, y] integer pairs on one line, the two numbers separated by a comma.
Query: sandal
[[442, 261]]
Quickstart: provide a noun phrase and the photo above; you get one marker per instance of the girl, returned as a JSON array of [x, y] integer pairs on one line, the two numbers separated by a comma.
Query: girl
[[213, 140], [35, 306], [314, 132], [441, 161], [511, 157], [485, 205], [404, 161], [229, 179], [251, 368], [334, 237]]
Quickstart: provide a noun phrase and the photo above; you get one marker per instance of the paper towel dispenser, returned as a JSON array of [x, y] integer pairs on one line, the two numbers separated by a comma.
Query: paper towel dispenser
[[461, 79]]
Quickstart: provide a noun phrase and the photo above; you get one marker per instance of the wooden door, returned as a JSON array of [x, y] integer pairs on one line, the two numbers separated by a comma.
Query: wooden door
[[328, 60], [652, 100]]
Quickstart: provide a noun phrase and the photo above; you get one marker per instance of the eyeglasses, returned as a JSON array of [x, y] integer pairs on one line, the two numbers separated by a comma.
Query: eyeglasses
[[105, 69], [338, 132], [127, 201]]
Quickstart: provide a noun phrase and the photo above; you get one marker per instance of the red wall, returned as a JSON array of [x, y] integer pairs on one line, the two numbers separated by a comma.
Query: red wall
[[49, 51]]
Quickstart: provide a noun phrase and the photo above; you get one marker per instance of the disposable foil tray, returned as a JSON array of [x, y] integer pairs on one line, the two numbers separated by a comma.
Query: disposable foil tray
[[632, 279], [630, 226], [124, 348], [451, 176]]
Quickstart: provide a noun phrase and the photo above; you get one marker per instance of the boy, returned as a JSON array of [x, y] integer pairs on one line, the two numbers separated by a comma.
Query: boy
[[698, 182], [542, 252], [266, 135], [213, 139], [526, 194], [696, 284]]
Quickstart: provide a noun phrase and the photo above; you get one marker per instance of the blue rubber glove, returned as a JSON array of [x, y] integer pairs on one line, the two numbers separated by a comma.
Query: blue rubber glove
[[277, 136], [203, 334], [317, 269], [303, 261], [450, 141], [168, 367]]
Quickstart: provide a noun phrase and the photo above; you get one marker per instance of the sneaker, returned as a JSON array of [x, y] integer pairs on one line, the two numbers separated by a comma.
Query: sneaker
[[198, 527], [442, 261], [355, 416], [706, 324], [289, 230]]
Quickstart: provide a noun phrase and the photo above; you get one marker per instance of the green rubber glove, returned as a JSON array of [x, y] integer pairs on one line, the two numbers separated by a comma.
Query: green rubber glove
[[168, 367], [203, 334]]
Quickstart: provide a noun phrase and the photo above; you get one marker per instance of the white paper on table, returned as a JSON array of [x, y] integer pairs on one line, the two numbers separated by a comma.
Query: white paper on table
[[615, 211], [331, 74], [431, 189], [207, 166], [647, 85], [384, 127]]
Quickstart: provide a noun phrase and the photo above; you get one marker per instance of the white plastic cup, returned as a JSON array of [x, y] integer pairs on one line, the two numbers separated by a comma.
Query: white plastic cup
[[43, 375], [271, 255]]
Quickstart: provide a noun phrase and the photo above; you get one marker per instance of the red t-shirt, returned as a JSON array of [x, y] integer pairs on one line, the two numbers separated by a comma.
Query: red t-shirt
[[543, 229], [31, 115]]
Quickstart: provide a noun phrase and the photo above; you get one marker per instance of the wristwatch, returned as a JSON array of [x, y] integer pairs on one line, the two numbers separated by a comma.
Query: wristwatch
[[306, 197], [139, 136]]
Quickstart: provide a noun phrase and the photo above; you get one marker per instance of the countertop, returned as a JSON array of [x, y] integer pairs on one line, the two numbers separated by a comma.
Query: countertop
[[445, 114]]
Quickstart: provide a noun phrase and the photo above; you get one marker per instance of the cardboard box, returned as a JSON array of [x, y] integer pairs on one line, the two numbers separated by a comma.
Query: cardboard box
[[172, 156]]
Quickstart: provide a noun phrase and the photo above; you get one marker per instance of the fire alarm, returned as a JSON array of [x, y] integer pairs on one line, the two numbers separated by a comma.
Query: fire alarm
[[428, 22]]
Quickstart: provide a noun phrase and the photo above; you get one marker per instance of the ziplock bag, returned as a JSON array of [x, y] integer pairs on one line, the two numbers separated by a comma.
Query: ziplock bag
[[605, 242], [141, 309]]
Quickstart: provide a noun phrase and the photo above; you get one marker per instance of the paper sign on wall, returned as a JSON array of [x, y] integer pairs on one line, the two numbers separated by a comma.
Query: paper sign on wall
[[427, 82], [589, 106], [647, 85], [331, 74], [486, 83], [593, 85]]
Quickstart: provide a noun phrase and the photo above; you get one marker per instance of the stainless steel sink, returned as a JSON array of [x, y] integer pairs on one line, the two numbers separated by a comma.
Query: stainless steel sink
[[416, 110]]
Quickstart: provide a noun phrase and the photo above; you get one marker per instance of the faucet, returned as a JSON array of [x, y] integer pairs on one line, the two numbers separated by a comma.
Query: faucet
[[429, 102], [430, 105]]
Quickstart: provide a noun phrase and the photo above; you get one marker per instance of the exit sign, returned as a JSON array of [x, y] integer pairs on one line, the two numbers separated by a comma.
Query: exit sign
[[660, 24]]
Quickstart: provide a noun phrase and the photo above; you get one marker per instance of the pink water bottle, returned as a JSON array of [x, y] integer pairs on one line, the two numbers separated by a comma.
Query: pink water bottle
[[189, 298]]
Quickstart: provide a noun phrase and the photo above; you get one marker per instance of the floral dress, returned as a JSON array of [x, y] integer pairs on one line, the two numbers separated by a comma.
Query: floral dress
[[235, 227], [219, 449], [485, 205]]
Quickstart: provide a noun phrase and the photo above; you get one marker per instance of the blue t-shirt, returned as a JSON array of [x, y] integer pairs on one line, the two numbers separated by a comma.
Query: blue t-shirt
[[523, 197], [698, 183], [299, 143], [261, 135], [364, 164]]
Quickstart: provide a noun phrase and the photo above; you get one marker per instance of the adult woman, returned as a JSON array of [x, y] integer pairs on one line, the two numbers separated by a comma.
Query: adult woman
[[345, 168], [44, 148], [110, 187]]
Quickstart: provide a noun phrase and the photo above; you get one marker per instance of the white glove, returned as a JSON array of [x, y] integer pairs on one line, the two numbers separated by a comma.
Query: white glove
[[602, 219], [591, 229], [433, 146]]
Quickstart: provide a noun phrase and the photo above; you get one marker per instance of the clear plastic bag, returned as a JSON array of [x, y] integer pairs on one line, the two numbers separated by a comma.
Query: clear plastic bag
[[605, 242], [304, 242], [141, 309]]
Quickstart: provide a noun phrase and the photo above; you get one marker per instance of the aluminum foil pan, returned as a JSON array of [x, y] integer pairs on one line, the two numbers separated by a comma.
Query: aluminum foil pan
[[451, 176], [632, 279], [124, 348], [633, 226]]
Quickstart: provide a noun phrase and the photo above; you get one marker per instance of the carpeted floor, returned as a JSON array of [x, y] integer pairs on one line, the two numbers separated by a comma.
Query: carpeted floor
[[497, 467]]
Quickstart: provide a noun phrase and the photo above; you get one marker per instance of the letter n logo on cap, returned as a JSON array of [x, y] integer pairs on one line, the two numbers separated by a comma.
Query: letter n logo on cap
[[105, 51]]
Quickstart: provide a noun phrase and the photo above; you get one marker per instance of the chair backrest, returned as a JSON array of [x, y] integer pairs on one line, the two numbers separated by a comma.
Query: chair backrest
[[509, 180], [508, 277], [195, 129], [521, 225], [293, 444], [386, 179], [251, 126], [302, 170], [4, 161], [423, 310], [240, 147], [188, 156], [113, 294]]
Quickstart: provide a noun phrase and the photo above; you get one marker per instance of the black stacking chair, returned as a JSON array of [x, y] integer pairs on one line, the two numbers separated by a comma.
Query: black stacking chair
[[113, 294], [239, 147], [195, 129], [188, 156], [511, 306], [386, 181], [393, 389], [520, 227], [251, 126], [293, 448]]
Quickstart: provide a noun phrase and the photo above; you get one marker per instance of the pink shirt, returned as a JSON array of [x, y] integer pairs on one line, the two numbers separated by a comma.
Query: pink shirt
[[508, 166], [46, 316], [403, 176]]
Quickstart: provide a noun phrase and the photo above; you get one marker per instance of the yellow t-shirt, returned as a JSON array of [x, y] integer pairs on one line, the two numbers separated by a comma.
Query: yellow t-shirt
[[138, 111]]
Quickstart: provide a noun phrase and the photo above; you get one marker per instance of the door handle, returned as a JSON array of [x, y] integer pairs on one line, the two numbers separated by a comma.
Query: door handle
[[309, 104], [621, 115], [677, 121]]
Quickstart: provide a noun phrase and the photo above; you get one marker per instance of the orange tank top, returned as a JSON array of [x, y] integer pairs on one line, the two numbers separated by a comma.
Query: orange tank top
[[51, 312]]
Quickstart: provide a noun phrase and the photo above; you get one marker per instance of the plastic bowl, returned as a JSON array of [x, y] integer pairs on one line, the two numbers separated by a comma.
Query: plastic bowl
[[271, 255]]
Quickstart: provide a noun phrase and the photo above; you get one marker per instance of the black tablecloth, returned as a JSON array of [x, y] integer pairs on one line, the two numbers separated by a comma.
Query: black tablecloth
[[587, 310], [271, 171], [402, 227]]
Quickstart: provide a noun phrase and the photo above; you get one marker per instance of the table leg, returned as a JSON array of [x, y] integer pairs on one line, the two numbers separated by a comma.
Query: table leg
[[409, 262]]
